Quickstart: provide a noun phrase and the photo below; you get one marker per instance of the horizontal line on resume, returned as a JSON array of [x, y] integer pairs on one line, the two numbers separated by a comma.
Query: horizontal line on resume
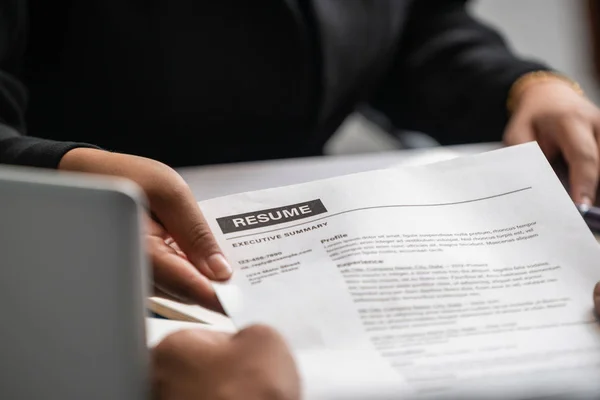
[[385, 206]]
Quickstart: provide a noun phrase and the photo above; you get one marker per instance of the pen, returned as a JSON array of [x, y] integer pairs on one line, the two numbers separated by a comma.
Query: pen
[[591, 216]]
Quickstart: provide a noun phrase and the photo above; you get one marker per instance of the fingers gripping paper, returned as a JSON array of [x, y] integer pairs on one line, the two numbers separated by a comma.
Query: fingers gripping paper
[[467, 278]]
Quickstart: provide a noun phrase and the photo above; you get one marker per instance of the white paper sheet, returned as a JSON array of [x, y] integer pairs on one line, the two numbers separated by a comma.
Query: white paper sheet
[[157, 329], [469, 278]]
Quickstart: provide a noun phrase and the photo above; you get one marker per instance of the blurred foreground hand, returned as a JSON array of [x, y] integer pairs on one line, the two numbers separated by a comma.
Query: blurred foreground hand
[[254, 364]]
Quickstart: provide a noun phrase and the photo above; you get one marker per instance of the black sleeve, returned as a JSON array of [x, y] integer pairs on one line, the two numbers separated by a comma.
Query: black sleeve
[[15, 147], [451, 75]]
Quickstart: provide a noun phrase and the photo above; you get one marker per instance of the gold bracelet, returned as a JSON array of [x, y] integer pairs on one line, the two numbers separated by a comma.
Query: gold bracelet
[[530, 78]]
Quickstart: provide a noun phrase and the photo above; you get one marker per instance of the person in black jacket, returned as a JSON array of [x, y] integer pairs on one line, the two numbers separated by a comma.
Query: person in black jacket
[[133, 88]]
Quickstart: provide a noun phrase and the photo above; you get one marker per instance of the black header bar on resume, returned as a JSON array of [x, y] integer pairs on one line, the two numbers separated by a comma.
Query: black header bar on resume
[[271, 216]]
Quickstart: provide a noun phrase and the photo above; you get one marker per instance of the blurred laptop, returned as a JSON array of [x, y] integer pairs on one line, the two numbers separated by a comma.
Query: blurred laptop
[[72, 288]]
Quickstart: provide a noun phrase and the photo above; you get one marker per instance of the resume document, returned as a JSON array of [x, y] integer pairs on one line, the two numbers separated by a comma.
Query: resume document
[[469, 278]]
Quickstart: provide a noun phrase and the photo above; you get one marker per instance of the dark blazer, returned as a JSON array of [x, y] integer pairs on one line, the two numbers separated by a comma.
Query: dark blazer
[[193, 82]]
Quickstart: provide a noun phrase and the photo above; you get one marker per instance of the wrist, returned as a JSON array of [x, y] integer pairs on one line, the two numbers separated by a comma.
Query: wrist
[[79, 159], [536, 78]]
